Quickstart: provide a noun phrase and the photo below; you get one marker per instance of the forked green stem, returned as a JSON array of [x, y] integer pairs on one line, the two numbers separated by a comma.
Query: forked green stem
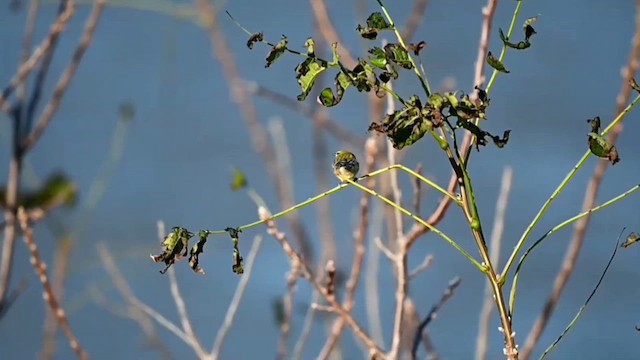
[[514, 286], [558, 190], [503, 53], [418, 219], [340, 187]]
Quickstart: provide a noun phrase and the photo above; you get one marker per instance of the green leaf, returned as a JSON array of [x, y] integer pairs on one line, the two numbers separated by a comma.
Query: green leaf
[[239, 180], [255, 38], [56, 190], [528, 29], [379, 58], [634, 84], [328, 98], [238, 261], [405, 127], [416, 48], [375, 23], [631, 239], [399, 55], [495, 63], [277, 51], [519, 46], [306, 74], [600, 147], [175, 247], [196, 250]]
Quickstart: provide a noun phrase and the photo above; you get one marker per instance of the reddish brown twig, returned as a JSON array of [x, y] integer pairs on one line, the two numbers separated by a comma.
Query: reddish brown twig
[[48, 295]]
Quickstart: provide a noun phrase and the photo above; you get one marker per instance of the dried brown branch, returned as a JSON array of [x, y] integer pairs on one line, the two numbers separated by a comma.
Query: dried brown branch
[[371, 150], [195, 343], [417, 14], [320, 116], [305, 271], [239, 95], [15, 163], [482, 340], [48, 295], [136, 309], [591, 193], [65, 79], [417, 191], [237, 297], [27, 66]]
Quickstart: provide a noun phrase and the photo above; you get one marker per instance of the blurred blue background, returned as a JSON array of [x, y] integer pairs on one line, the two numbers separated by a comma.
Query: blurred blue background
[[188, 132]]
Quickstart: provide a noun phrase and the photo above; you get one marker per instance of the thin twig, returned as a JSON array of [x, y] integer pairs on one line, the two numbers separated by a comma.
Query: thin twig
[[591, 193], [137, 310], [417, 191], [65, 79], [305, 270], [448, 293], [195, 343], [27, 66], [48, 295], [482, 340], [237, 297], [320, 116], [417, 14], [426, 262]]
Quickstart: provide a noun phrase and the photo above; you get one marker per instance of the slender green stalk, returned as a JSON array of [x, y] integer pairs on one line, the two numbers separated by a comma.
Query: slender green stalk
[[416, 218], [558, 190], [503, 53], [423, 79], [514, 286]]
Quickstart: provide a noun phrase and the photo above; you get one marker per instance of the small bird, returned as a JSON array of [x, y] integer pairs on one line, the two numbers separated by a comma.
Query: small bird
[[345, 166]]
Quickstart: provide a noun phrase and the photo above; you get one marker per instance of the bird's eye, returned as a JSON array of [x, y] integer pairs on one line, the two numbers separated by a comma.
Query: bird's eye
[[338, 153]]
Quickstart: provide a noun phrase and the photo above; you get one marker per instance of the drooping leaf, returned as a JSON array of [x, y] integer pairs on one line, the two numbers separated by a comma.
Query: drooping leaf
[[238, 263], [399, 55], [495, 63], [175, 247], [528, 29], [255, 38], [600, 147], [277, 51], [634, 85], [375, 23], [416, 48], [406, 126], [306, 74], [631, 239], [328, 98], [519, 46], [196, 250], [379, 58], [239, 180]]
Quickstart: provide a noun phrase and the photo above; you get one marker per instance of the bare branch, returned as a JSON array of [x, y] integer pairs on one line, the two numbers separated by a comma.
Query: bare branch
[[48, 295], [237, 297]]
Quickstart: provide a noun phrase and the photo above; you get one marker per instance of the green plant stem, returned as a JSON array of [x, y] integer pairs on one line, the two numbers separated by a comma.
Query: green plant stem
[[558, 190], [423, 79], [503, 53], [419, 220], [336, 189], [514, 286]]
